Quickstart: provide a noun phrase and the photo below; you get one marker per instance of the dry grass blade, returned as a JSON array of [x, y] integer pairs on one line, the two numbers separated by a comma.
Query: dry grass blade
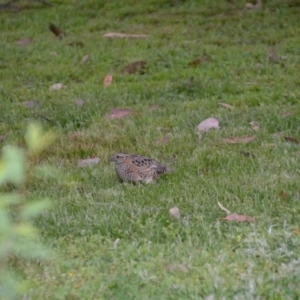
[[124, 35], [224, 209], [238, 140], [225, 105], [57, 31]]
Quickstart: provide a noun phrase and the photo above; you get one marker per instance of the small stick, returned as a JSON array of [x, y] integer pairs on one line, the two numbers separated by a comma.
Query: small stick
[[223, 208]]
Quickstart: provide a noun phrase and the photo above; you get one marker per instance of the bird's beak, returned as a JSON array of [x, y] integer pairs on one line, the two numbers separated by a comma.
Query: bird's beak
[[112, 159]]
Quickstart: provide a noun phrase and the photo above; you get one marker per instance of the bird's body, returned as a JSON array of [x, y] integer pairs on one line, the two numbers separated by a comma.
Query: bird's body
[[137, 168]]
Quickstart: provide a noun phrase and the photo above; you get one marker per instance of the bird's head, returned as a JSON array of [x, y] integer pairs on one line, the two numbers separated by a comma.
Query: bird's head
[[118, 157]]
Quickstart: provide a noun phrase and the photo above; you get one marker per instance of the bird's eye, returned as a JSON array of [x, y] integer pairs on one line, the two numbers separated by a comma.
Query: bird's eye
[[118, 156]]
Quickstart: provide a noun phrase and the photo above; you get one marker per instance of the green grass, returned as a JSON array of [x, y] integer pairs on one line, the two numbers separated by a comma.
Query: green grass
[[199, 256]]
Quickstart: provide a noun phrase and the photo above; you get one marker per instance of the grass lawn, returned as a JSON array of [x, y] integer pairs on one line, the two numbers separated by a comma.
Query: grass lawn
[[117, 241]]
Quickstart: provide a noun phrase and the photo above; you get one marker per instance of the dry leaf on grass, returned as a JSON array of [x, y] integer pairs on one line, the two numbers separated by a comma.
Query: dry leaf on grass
[[198, 61], [24, 42], [235, 217], [88, 162], [174, 212], [123, 35], [225, 105], [239, 218], [31, 104], [85, 59], [108, 80], [208, 124], [57, 31], [291, 140], [238, 140], [135, 67], [56, 86], [119, 113]]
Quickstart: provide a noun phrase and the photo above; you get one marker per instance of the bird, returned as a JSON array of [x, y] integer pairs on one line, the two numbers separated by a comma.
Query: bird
[[137, 168]]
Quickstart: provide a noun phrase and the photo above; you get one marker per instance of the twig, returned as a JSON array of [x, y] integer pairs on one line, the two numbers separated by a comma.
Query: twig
[[223, 208]]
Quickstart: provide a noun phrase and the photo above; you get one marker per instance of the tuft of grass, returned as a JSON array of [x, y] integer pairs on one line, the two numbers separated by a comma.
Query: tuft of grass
[[200, 256]]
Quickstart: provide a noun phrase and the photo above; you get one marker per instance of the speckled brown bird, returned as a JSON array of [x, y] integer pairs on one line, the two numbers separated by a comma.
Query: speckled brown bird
[[137, 168]]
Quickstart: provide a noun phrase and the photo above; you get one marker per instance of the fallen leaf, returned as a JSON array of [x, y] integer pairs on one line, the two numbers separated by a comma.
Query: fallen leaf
[[239, 218], [291, 140], [88, 162], [56, 86], [197, 61], [31, 104], [254, 126], [124, 35], [153, 107], [174, 212], [24, 42], [79, 102], [137, 66], [108, 80], [208, 124], [163, 140], [225, 105], [248, 154], [57, 31], [119, 113], [76, 44], [85, 59], [238, 140]]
